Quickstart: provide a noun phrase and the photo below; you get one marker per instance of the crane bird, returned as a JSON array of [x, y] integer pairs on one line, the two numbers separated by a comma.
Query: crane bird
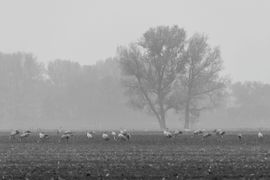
[[206, 135], [25, 134], [67, 135], [43, 136], [219, 132], [89, 135], [123, 130], [222, 133], [177, 132], [13, 134], [260, 136], [168, 134], [240, 137], [114, 135], [68, 132], [126, 134], [105, 136], [198, 132], [122, 137]]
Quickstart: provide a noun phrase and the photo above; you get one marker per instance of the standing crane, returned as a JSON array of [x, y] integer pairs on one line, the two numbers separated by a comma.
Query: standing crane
[[13, 134]]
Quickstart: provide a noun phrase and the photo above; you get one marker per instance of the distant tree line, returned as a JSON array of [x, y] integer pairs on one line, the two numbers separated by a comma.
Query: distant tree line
[[61, 91], [164, 73]]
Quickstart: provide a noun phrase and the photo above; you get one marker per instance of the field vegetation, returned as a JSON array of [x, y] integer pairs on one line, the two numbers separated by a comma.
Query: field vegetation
[[148, 155]]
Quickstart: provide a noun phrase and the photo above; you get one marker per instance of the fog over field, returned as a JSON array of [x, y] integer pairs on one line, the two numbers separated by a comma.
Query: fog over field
[[128, 64]]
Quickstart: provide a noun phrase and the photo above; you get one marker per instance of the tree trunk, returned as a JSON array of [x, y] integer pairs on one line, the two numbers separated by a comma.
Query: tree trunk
[[162, 122], [187, 115]]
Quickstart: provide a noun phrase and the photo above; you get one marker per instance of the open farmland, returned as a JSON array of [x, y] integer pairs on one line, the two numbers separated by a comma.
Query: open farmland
[[145, 156]]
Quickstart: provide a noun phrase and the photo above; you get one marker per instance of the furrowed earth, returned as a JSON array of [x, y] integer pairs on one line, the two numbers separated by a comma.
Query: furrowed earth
[[146, 156]]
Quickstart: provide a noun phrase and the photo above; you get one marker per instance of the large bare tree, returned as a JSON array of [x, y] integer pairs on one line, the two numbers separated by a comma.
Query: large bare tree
[[150, 67], [201, 87]]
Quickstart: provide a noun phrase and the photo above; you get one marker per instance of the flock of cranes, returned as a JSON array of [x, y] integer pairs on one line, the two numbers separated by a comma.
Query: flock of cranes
[[169, 134], [202, 132], [22, 136], [122, 135]]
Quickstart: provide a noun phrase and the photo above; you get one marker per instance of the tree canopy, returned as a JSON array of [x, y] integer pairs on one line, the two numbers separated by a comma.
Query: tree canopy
[[150, 67], [164, 70], [200, 87]]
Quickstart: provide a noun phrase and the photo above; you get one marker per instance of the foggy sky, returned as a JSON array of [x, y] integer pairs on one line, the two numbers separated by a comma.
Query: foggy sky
[[90, 30]]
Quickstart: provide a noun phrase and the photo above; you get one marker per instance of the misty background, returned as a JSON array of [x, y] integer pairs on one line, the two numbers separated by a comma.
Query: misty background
[[58, 65]]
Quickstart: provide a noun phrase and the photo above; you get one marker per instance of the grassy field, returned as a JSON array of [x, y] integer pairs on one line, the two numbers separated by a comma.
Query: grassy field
[[145, 156]]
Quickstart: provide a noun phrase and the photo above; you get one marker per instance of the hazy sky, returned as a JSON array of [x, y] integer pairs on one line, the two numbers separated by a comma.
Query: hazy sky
[[90, 30]]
